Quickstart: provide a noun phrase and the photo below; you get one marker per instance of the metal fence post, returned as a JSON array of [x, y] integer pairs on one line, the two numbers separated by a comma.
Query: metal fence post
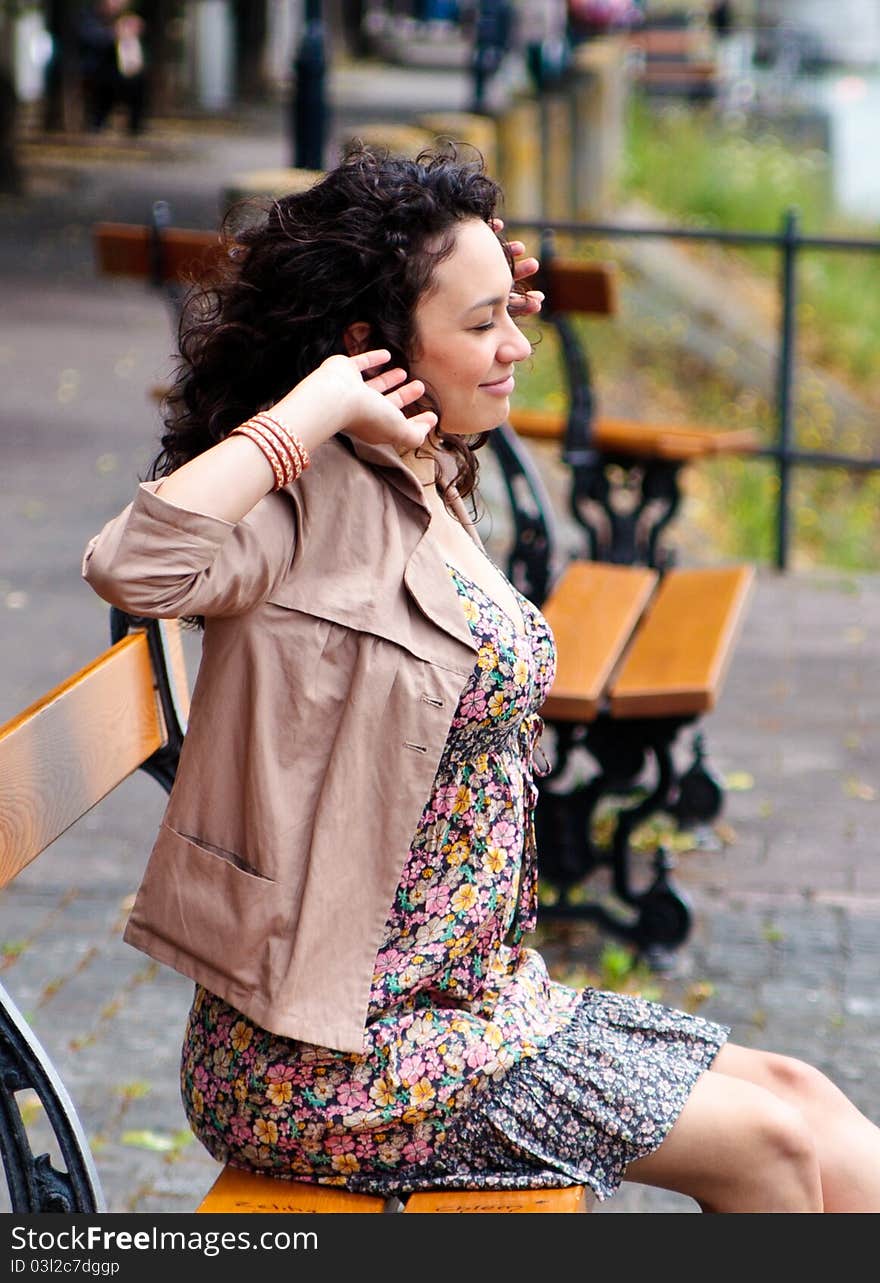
[[789, 244]]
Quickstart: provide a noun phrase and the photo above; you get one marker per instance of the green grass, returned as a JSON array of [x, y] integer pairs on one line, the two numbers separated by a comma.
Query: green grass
[[707, 174]]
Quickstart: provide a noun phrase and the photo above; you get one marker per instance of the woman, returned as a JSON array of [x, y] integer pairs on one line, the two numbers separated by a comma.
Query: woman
[[346, 867]]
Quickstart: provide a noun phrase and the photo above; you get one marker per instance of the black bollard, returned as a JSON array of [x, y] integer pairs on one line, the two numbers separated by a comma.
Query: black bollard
[[309, 105]]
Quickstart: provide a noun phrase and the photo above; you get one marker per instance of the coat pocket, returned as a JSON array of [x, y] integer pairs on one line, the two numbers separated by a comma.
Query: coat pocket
[[215, 912]]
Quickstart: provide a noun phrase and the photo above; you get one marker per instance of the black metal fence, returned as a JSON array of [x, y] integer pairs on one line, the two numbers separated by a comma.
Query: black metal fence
[[790, 243]]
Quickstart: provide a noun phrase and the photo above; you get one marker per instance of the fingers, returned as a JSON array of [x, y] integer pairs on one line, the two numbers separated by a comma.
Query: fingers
[[369, 360], [407, 394], [387, 380], [525, 304], [525, 267], [421, 424]]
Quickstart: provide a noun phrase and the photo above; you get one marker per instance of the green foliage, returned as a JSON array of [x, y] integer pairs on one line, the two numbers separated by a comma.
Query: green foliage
[[701, 172], [687, 163]]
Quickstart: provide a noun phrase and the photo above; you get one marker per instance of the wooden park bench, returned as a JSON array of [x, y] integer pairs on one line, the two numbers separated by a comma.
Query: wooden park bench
[[675, 60], [640, 657], [58, 758]]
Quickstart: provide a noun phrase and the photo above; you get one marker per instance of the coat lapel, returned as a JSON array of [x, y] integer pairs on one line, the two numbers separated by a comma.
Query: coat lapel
[[426, 577]]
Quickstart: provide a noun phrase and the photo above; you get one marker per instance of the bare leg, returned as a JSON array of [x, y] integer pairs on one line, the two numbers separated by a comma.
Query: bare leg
[[736, 1147], [847, 1143]]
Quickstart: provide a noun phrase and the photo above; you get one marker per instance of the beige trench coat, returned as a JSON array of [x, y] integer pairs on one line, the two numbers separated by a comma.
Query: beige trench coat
[[334, 653]]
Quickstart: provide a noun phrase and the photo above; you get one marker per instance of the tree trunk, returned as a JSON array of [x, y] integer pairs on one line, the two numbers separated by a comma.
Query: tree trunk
[[161, 37], [10, 173], [251, 24], [63, 109]]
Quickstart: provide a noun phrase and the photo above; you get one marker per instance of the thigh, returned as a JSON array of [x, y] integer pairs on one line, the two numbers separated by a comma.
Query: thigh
[[714, 1144]]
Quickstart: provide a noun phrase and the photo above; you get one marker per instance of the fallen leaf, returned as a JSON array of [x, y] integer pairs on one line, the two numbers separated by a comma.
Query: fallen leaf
[[725, 832], [697, 993], [146, 1139], [30, 1107], [133, 1090], [853, 787], [739, 781]]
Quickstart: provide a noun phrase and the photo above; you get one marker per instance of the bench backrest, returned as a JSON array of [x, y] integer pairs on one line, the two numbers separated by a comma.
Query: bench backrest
[[58, 758], [152, 253]]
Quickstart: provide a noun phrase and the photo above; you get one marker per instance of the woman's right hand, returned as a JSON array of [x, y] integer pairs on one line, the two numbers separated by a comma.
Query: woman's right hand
[[370, 408]]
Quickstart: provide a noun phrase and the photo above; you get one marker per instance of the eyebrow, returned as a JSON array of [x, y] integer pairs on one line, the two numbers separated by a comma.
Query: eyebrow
[[486, 302]]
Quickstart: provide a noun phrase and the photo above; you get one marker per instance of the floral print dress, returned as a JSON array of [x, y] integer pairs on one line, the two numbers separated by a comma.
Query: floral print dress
[[459, 1007]]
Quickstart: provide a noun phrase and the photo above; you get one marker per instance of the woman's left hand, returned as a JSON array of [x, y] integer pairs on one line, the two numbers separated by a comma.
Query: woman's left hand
[[530, 302]]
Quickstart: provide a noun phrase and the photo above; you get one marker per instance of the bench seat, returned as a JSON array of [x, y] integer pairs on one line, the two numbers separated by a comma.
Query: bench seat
[[633, 649], [676, 664], [239, 1191]]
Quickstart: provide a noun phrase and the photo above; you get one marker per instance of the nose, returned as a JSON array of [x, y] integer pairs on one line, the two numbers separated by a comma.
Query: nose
[[514, 345]]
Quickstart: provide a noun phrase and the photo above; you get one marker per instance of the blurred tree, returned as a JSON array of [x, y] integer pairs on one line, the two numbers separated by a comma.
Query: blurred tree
[[63, 103], [10, 173], [161, 19], [251, 23]]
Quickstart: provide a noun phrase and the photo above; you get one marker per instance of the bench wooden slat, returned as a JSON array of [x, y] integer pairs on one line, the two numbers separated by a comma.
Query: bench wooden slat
[[592, 611], [575, 286], [677, 661], [575, 1198], [71, 748], [124, 249], [238, 1191], [669, 42], [632, 436]]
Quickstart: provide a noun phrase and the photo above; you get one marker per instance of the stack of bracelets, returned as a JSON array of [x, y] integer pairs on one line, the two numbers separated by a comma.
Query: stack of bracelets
[[283, 450]]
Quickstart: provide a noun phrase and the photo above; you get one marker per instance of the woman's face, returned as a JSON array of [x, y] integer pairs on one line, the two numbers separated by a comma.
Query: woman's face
[[467, 345]]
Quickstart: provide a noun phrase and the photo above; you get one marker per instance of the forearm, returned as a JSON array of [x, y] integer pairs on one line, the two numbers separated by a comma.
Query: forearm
[[228, 480]]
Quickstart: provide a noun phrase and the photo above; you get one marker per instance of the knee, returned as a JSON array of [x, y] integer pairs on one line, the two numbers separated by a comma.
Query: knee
[[799, 1083], [786, 1163]]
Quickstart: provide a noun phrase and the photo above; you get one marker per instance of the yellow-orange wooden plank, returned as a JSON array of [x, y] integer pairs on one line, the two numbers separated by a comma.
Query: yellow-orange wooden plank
[[237, 1191], [592, 611], [632, 436], [672, 440], [124, 249], [69, 749], [575, 1198], [679, 656], [546, 425]]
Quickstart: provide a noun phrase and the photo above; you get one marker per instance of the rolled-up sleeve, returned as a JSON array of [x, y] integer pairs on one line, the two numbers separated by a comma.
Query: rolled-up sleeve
[[164, 561]]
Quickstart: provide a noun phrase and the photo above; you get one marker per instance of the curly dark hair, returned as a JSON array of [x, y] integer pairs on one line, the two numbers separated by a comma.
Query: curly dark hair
[[362, 244]]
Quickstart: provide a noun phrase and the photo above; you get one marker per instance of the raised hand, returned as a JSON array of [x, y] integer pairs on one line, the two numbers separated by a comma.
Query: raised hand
[[523, 266], [370, 408]]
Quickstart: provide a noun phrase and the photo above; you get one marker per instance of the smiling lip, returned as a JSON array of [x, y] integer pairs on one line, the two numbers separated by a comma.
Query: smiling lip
[[503, 387]]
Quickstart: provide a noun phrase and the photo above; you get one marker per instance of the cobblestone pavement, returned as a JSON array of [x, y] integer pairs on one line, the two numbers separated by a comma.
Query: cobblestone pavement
[[786, 946]]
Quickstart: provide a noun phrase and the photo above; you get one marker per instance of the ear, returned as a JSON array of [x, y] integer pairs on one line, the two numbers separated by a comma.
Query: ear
[[355, 337]]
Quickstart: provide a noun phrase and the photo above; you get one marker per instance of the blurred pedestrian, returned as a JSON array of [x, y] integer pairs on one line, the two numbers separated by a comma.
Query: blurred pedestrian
[[542, 32], [113, 63]]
